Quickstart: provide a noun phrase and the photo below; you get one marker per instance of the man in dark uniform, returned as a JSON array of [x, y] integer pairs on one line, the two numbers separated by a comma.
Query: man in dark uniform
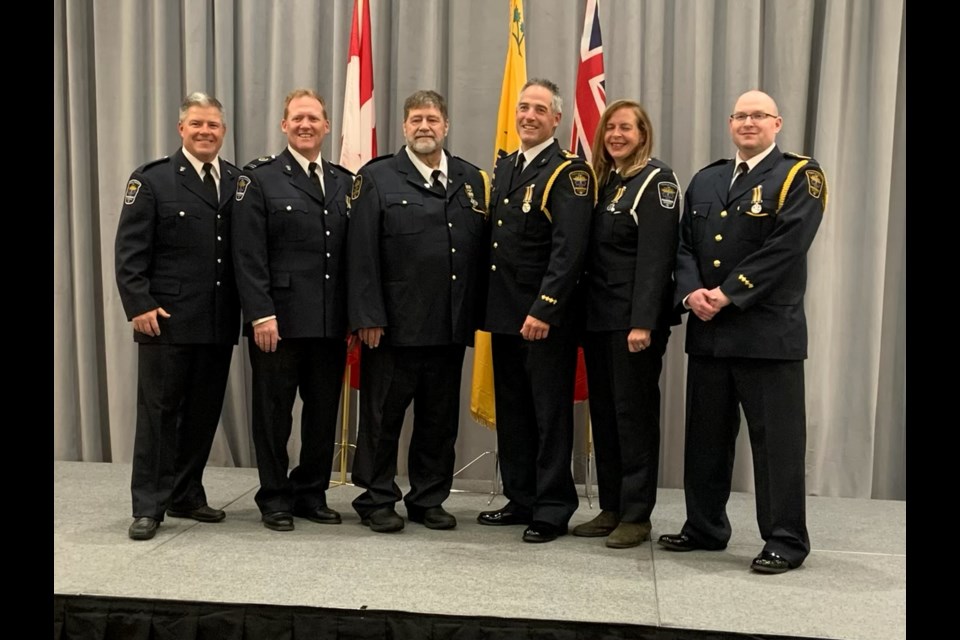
[[176, 283], [742, 271], [289, 248], [417, 277], [541, 204]]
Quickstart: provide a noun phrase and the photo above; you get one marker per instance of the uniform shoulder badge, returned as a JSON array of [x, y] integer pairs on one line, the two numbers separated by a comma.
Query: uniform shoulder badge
[[816, 183], [669, 193], [242, 183], [133, 188], [581, 182], [357, 183]]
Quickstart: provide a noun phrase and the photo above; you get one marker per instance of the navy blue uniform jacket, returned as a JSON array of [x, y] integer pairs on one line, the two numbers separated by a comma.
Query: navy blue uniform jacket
[[753, 244], [173, 251]]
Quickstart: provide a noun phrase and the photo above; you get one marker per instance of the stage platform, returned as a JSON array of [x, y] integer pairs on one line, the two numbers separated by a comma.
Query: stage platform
[[853, 585]]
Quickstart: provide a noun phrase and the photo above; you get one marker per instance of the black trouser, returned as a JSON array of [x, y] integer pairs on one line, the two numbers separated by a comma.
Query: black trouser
[[772, 396], [533, 383], [625, 417], [314, 366], [390, 379], [179, 397]]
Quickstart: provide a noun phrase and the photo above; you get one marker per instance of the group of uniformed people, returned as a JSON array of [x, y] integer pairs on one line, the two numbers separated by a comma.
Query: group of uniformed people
[[418, 251]]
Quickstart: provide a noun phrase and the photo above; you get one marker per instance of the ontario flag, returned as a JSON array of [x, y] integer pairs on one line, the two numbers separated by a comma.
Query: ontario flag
[[483, 406], [591, 97], [589, 103], [358, 143]]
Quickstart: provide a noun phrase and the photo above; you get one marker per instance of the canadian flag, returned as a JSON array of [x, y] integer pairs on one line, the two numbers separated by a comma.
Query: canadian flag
[[358, 143]]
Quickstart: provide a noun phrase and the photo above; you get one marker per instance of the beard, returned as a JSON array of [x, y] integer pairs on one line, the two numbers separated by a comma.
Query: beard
[[424, 145]]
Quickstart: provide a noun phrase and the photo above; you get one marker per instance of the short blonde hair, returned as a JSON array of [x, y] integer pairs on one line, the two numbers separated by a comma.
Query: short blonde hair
[[303, 93]]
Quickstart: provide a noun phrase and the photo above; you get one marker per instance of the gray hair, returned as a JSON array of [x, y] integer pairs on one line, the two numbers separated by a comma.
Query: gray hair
[[199, 99], [425, 98], [556, 102]]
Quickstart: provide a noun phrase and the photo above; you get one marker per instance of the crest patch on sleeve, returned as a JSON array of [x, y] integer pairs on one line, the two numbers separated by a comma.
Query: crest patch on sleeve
[[130, 195], [668, 194], [581, 183], [815, 182], [242, 183], [357, 183]]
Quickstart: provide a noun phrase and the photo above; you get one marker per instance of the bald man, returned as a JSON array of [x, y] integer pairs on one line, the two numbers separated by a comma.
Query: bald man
[[742, 273]]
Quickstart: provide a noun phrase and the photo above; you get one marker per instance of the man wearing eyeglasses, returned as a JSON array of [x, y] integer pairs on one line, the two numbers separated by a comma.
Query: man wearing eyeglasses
[[742, 272]]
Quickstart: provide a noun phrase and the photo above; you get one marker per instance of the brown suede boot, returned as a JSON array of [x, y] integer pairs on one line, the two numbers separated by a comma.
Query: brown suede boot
[[629, 534], [600, 526]]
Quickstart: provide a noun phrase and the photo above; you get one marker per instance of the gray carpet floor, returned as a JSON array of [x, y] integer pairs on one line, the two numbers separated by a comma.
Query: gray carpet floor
[[853, 585]]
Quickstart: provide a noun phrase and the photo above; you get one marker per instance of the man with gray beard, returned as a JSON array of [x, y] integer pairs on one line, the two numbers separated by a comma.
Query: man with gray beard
[[416, 258]]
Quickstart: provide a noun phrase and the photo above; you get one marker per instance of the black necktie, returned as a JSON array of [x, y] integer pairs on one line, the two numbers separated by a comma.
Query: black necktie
[[437, 184], [517, 170], [742, 170], [209, 184], [316, 179]]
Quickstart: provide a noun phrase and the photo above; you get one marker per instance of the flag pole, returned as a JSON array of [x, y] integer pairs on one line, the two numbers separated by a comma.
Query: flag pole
[[358, 145]]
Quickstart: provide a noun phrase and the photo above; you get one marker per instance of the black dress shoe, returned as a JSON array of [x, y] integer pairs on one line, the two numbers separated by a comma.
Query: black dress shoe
[[143, 528], [543, 532], [770, 562], [432, 517], [681, 542], [384, 520], [203, 513], [278, 520], [504, 517], [321, 515]]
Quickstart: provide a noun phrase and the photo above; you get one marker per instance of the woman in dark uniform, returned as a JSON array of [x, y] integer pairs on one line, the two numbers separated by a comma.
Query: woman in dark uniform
[[628, 289]]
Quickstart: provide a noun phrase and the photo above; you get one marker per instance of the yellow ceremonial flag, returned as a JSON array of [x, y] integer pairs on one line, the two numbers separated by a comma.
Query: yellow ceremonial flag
[[482, 406]]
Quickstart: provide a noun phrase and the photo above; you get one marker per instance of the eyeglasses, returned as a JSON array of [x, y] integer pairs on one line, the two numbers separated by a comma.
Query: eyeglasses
[[759, 116]]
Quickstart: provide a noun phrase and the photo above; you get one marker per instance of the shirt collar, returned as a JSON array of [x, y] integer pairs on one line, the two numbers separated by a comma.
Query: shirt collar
[[198, 164], [755, 160], [532, 153], [304, 163], [426, 171]]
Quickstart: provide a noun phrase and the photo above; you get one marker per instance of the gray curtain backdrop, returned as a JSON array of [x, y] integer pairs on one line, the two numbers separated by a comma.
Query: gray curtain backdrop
[[836, 67]]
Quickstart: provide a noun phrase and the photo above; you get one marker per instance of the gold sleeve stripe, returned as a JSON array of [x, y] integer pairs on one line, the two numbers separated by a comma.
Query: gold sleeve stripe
[[546, 192], [786, 183]]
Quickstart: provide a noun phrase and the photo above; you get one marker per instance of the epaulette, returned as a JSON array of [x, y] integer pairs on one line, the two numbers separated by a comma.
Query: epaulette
[[467, 162], [230, 165], [154, 163], [791, 154], [342, 168], [259, 162], [568, 154], [718, 162], [657, 162], [385, 156], [507, 157]]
